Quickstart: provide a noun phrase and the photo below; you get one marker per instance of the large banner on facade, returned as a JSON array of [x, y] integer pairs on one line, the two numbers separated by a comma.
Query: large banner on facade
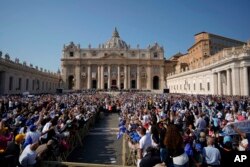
[[243, 126]]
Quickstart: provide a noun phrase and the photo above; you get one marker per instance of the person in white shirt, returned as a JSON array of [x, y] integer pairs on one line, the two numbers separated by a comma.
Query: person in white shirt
[[144, 143], [243, 145], [28, 156], [33, 134], [229, 116], [46, 128], [145, 118], [11, 105]]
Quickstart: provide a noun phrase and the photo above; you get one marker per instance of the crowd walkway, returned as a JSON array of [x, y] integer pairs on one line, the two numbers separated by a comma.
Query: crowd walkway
[[101, 146]]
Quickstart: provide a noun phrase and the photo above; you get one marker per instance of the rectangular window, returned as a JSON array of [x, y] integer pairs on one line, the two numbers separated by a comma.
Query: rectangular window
[[200, 86], [208, 86], [194, 86]]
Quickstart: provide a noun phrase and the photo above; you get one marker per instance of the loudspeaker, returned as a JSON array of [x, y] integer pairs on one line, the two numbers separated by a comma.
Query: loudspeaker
[[59, 90], [165, 90]]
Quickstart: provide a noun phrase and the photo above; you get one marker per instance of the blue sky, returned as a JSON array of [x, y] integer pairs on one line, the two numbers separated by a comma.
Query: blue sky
[[35, 31]]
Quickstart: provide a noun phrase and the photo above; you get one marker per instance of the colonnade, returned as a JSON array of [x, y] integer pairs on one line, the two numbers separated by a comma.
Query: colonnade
[[232, 81], [124, 77]]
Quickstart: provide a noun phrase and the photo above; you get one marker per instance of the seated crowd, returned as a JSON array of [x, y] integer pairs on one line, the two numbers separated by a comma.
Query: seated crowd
[[184, 130], [39, 127], [165, 129]]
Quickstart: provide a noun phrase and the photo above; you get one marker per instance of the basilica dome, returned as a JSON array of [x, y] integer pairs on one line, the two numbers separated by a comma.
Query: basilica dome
[[116, 42]]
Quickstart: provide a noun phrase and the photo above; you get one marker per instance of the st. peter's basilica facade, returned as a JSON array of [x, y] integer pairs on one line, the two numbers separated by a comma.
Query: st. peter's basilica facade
[[113, 65]]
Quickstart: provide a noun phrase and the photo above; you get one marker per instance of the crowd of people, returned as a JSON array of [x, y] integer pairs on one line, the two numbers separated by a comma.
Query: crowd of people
[[184, 130], [35, 128], [163, 129]]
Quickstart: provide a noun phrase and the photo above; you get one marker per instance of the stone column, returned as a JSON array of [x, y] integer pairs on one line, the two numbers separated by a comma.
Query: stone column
[[89, 78], [99, 77], [149, 78], [78, 77], [109, 76], [245, 80], [129, 79], [215, 78], [138, 76], [102, 77], [65, 82], [125, 77], [118, 77], [229, 82], [236, 81], [219, 84], [162, 79]]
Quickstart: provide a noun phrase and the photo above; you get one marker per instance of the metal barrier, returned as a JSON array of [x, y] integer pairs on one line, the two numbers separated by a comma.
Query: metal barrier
[[131, 156], [74, 164], [76, 138]]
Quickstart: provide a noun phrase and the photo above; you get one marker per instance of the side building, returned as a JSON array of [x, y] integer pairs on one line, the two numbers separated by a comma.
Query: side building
[[213, 65], [113, 65], [17, 78]]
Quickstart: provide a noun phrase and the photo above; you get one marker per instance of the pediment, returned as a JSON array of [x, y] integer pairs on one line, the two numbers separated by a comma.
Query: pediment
[[156, 47], [113, 56]]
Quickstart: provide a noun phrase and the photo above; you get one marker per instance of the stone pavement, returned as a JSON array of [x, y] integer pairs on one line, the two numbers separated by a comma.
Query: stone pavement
[[100, 146]]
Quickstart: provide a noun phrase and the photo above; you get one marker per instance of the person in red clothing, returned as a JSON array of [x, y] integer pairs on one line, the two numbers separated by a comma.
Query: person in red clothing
[[4, 139], [240, 117]]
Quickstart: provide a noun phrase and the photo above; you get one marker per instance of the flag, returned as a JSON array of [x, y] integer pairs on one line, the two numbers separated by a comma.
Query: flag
[[119, 135]]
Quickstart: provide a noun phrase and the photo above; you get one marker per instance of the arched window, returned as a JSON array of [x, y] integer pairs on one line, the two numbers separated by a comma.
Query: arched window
[[71, 82]]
